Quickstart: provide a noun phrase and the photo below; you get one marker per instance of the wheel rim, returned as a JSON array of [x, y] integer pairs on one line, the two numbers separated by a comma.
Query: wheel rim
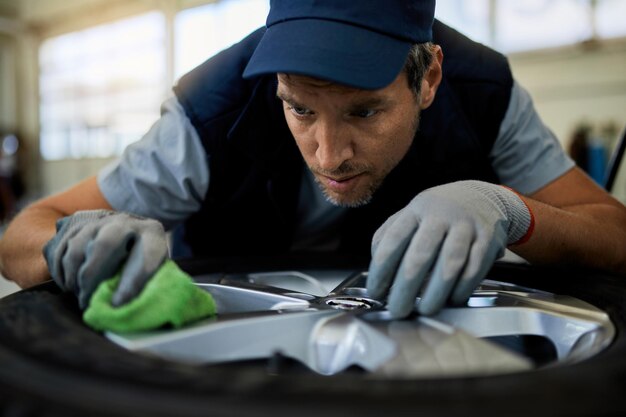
[[293, 314]]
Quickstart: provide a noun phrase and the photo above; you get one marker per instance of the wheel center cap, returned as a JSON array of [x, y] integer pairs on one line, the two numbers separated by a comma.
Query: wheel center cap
[[351, 303]]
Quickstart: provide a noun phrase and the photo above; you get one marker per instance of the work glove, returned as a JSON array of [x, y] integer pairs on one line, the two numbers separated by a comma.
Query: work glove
[[443, 243], [91, 246]]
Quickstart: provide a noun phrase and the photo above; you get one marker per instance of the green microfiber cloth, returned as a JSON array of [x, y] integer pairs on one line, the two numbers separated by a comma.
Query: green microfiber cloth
[[169, 297]]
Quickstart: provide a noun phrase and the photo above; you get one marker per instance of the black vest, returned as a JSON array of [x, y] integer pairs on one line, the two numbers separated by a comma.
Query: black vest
[[256, 167]]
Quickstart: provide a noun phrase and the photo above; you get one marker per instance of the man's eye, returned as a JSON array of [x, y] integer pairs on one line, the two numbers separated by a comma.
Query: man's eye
[[365, 113], [299, 111]]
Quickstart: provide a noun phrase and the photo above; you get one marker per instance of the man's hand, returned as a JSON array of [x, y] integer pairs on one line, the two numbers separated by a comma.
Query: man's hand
[[443, 244], [91, 246]]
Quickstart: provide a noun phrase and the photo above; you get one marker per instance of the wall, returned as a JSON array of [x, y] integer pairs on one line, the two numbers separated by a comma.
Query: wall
[[573, 84], [586, 83], [18, 84], [59, 175], [8, 92]]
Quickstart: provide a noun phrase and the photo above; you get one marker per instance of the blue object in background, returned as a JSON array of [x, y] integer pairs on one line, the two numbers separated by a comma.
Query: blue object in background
[[596, 161]]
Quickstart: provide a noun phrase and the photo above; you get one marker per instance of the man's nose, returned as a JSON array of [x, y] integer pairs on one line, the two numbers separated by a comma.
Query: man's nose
[[334, 147]]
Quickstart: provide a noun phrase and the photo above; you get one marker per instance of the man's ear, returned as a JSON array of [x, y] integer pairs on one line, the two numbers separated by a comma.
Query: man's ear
[[431, 79]]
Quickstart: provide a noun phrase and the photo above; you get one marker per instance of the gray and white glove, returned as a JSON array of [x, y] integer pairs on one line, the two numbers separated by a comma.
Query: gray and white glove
[[452, 234], [91, 246]]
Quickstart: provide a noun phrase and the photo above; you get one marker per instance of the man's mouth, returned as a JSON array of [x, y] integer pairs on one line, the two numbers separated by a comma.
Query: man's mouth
[[342, 179], [342, 184]]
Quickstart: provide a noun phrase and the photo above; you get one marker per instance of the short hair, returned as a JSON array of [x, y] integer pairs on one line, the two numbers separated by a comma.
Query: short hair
[[417, 63]]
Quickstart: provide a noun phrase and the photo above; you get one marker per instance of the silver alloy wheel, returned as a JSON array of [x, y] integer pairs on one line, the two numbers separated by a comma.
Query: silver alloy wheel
[[295, 315]]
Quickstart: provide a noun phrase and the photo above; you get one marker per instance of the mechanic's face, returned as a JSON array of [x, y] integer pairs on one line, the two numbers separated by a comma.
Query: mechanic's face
[[350, 138]]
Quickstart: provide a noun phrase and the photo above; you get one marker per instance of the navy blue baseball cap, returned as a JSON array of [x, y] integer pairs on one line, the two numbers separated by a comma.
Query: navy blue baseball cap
[[358, 43]]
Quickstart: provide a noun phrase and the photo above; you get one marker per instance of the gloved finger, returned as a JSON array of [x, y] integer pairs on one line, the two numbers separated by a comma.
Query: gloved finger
[[483, 254], [415, 265], [54, 250], [145, 258], [389, 252], [448, 267], [74, 255], [380, 232], [108, 250], [105, 255]]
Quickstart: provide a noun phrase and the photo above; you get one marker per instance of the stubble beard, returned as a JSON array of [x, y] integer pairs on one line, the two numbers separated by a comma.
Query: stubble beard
[[363, 197]]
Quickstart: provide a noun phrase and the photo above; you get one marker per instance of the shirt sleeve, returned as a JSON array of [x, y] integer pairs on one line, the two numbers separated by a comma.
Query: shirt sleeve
[[165, 175], [526, 156]]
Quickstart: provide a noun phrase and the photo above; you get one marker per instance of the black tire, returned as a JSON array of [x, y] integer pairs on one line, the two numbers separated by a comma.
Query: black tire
[[51, 364]]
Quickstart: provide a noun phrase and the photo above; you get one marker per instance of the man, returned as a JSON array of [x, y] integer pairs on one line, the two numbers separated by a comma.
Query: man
[[340, 127]]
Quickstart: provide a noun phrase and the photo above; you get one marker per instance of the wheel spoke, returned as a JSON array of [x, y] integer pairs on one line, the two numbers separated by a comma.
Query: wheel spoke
[[428, 347], [235, 337], [566, 322], [343, 340], [247, 298]]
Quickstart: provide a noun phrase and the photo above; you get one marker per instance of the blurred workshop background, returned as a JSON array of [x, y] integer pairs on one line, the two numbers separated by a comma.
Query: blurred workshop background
[[81, 79]]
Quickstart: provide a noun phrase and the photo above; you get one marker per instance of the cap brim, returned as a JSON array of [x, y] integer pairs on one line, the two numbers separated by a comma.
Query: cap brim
[[329, 50]]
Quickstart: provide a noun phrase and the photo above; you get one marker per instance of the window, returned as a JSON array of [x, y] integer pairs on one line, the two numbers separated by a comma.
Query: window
[[470, 17], [536, 24], [609, 18], [203, 31], [515, 26], [100, 88]]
